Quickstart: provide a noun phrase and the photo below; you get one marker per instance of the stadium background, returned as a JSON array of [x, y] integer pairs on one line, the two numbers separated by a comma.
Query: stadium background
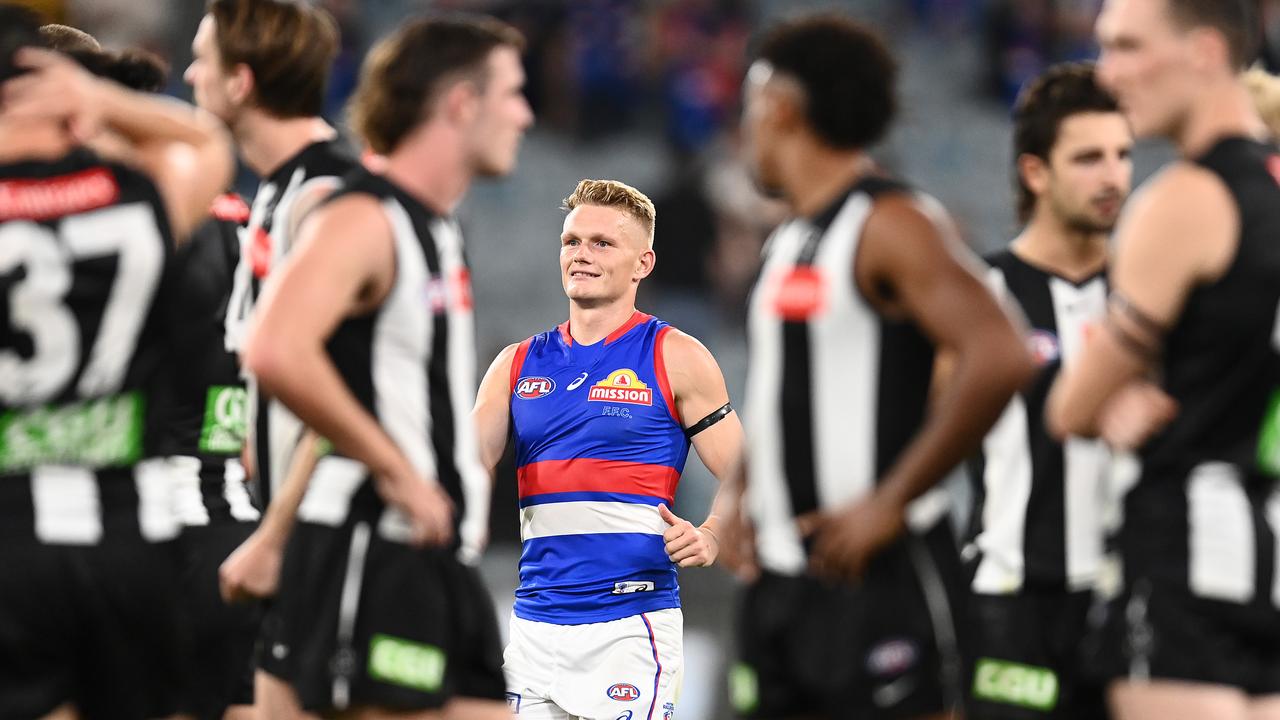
[[646, 92]]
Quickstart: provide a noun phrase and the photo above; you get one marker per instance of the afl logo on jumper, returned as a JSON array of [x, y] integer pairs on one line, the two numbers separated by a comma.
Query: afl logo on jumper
[[624, 692], [622, 386], [1043, 346], [801, 295], [532, 388]]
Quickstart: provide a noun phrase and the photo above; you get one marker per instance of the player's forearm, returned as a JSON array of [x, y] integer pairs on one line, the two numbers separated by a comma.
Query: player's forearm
[[987, 372], [146, 120], [302, 377], [277, 521]]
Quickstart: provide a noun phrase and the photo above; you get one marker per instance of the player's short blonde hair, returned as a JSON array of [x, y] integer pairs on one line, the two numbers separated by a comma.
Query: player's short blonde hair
[[1264, 88], [617, 195]]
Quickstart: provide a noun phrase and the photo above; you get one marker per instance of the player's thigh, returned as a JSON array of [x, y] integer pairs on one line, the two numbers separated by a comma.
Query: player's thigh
[[632, 665], [1266, 707], [274, 699], [475, 709], [1173, 700]]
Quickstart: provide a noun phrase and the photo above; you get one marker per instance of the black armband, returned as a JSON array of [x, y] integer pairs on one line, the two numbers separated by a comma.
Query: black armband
[[706, 422]]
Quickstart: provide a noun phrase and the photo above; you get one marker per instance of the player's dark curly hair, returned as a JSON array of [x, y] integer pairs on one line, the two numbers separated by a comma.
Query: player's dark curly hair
[[847, 73], [1063, 90], [134, 69]]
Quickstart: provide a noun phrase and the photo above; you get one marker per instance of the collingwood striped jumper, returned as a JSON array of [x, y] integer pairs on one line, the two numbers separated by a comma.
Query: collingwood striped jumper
[[411, 364], [835, 390], [1037, 502]]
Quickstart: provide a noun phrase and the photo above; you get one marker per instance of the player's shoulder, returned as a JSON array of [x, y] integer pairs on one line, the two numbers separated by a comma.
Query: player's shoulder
[[1183, 195], [685, 353]]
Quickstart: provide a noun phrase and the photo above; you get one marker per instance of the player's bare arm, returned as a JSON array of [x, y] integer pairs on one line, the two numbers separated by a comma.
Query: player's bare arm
[[702, 402], [186, 152], [492, 412], [343, 265], [1171, 239], [253, 569], [912, 264]]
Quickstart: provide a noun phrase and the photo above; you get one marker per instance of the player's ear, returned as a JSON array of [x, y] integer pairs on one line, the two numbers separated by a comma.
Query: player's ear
[[645, 263], [461, 103], [1034, 172], [241, 84]]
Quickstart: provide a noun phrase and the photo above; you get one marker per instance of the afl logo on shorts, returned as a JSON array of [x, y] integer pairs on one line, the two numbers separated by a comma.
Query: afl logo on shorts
[[622, 386], [1043, 346], [801, 295], [532, 388], [624, 692]]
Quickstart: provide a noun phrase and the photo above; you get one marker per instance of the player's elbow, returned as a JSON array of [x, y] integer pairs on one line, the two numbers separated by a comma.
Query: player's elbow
[[1063, 416], [1007, 364], [267, 359]]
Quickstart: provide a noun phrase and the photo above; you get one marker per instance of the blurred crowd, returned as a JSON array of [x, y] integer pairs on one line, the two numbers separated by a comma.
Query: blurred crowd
[[669, 70]]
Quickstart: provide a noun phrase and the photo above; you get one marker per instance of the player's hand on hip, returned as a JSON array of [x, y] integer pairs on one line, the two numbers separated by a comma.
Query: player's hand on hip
[[687, 546], [738, 543], [428, 506], [252, 570], [843, 542], [1138, 411]]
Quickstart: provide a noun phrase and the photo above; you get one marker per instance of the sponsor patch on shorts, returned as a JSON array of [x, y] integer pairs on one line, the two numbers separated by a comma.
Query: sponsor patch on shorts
[[513, 702], [403, 662], [1013, 683], [744, 688]]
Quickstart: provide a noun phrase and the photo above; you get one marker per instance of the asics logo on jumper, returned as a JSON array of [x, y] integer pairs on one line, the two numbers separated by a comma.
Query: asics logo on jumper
[[574, 385]]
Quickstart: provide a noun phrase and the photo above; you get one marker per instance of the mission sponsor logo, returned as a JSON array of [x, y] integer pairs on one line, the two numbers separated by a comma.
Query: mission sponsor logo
[[622, 386], [532, 388], [623, 692]]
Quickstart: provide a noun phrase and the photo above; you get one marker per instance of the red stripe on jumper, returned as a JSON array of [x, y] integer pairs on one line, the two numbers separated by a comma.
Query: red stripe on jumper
[[588, 475]]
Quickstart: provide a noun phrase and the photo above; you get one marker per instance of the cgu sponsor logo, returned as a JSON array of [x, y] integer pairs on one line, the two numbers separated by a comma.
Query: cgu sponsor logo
[[623, 692], [622, 386], [1015, 684], [532, 388]]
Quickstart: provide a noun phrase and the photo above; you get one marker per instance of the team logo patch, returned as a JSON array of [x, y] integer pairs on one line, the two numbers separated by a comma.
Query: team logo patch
[[532, 388], [892, 657], [622, 386], [513, 702], [801, 295], [1043, 346], [668, 711], [623, 692]]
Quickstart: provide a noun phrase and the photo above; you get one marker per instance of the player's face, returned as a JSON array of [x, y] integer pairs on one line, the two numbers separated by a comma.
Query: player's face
[[1090, 171], [759, 128], [604, 254], [205, 75], [503, 117], [1146, 64]]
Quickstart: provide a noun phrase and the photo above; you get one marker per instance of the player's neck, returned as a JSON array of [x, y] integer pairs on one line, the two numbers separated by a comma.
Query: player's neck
[[32, 141], [266, 143], [590, 325], [1223, 111], [815, 178], [432, 169], [1050, 245]]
